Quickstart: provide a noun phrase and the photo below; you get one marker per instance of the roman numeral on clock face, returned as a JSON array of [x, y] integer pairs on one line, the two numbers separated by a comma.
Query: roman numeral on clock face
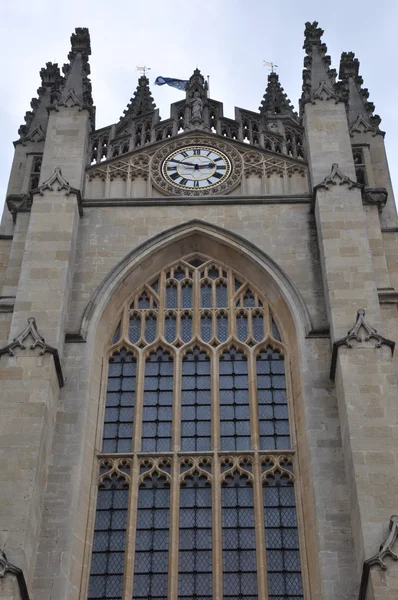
[[196, 152]]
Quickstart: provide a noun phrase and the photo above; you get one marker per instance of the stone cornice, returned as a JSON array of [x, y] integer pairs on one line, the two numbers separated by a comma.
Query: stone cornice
[[38, 341]]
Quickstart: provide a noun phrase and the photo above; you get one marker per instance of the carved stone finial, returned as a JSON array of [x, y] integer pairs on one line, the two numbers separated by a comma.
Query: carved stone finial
[[360, 332], [358, 106], [80, 41], [319, 80], [51, 80], [142, 102], [77, 87], [386, 549], [275, 101], [7, 567], [38, 341]]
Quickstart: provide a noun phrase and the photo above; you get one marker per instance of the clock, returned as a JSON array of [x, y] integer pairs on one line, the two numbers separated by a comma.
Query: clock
[[196, 168]]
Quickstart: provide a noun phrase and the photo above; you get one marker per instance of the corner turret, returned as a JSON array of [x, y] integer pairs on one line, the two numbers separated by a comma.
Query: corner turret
[[319, 80], [77, 87], [36, 119], [275, 102], [359, 110]]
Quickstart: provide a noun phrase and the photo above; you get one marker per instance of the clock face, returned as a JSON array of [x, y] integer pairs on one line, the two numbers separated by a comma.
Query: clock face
[[196, 167]]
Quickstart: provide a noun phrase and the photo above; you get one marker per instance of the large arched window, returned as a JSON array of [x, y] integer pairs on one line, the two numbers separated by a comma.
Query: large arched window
[[196, 492]]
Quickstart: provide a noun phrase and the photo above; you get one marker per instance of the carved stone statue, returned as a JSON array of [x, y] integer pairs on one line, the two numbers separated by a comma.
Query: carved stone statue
[[197, 107]]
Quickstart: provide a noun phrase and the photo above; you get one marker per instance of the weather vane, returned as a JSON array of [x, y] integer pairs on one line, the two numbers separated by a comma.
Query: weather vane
[[270, 65], [143, 69]]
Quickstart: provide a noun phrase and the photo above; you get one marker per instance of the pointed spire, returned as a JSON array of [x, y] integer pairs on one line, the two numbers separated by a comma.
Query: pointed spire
[[142, 102], [360, 110], [77, 88], [36, 119], [275, 101], [318, 78]]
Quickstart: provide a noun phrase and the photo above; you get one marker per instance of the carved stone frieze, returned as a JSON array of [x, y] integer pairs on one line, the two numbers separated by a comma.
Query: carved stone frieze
[[17, 203], [386, 549], [38, 342], [260, 164], [62, 184], [361, 332], [376, 196], [7, 567]]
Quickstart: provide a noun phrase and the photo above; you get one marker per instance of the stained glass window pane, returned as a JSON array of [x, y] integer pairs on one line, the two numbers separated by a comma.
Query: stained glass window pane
[[242, 326], [275, 331], [196, 402], [186, 327], [222, 327], [171, 296], [116, 335], [143, 301], [238, 539], [107, 562], [249, 299], [206, 300], [283, 557], [152, 539], [272, 401], [258, 326], [234, 402], [158, 401], [170, 327], [206, 327], [186, 296], [222, 295], [120, 400], [195, 558], [135, 328], [150, 328]]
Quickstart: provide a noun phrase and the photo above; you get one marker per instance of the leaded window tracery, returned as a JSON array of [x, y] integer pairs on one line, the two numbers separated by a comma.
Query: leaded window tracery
[[196, 453]]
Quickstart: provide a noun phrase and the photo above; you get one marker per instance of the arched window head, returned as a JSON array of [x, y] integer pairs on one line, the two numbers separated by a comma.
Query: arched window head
[[196, 496]]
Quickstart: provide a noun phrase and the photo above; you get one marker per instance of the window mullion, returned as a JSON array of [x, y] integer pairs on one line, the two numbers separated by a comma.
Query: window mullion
[[254, 428], [131, 532], [176, 432], [139, 401], [215, 396], [174, 528], [217, 557], [261, 557]]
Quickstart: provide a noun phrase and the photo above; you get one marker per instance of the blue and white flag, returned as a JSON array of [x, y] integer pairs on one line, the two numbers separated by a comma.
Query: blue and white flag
[[180, 84]]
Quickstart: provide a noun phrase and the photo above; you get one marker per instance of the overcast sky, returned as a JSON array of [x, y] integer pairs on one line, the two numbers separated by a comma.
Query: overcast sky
[[226, 39]]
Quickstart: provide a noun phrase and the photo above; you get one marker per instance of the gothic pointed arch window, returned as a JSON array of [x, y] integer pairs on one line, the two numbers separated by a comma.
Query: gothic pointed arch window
[[196, 496]]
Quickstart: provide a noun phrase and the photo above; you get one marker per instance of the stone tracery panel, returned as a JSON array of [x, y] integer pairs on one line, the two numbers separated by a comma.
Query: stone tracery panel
[[197, 402]]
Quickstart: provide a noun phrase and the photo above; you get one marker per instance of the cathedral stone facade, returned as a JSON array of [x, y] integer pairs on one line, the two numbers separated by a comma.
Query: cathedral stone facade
[[198, 315]]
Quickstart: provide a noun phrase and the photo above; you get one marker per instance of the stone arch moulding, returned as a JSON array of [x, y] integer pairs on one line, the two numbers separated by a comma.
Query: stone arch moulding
[[190, 237]]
